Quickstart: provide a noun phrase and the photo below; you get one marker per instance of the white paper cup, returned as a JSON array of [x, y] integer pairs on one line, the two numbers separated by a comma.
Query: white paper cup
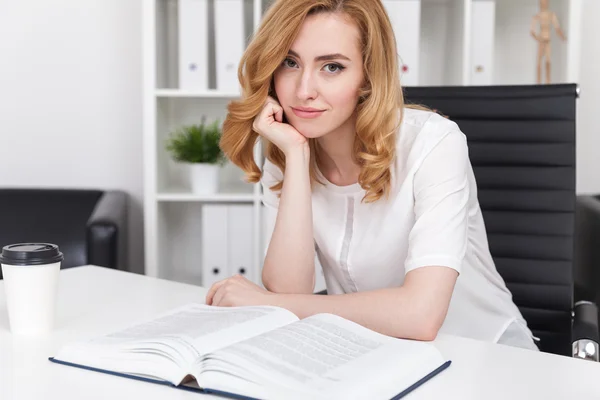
[[31, 272]]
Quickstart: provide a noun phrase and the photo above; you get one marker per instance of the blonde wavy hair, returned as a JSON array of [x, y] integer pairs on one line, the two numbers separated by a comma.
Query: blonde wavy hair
[[380, 103]]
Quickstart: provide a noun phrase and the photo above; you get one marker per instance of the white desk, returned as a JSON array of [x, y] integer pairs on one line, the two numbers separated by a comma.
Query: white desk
[[96, 300]]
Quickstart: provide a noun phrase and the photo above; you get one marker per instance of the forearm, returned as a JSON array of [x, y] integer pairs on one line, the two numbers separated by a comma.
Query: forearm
[[397, 312], [289, 263]]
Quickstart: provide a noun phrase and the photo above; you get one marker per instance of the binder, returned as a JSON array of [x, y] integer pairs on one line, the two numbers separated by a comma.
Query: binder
[[482, 42], [405, 16], [241, 241], [214, 244], [229, 43], [193, 44]]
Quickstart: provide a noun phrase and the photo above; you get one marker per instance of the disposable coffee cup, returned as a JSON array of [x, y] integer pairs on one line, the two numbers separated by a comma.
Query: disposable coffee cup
[[31, 282]]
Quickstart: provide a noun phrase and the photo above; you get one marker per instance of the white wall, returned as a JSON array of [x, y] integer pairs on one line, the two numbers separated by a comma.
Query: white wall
[[70, 99], [588, 128], [70, 94]]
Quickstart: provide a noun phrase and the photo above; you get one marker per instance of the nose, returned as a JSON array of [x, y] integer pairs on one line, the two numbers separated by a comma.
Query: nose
[[307, 87]]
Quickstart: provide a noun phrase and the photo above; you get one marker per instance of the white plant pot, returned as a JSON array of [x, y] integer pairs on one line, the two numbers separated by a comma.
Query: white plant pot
[[204, 178]]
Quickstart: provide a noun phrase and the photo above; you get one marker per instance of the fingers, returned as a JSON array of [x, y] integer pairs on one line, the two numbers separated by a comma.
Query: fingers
[[218, 299], [278, 110], [213, 289], [271, 99], [215, 293], [271, 111], [279, 114]]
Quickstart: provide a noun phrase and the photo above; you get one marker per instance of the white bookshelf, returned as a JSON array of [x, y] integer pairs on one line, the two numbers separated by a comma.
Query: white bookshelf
[[455, 45], [204, 94]]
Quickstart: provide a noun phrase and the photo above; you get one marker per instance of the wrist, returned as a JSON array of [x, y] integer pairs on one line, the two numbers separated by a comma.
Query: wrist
[[300, 152], [271, 298], [282, 300]]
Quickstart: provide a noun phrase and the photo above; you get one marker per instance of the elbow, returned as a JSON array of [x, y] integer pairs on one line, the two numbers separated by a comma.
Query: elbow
[[428, 333], [429, 326], [286, 289], [286, 282], [283, 287]]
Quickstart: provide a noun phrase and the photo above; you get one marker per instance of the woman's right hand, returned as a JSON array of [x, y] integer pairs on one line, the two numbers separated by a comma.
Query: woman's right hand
[[268, 123]]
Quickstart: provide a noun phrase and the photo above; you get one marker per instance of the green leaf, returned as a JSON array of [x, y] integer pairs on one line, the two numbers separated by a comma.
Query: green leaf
[[197, 143]]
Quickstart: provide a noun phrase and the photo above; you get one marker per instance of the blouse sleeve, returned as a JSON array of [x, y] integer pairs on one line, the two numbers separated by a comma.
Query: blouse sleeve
[[441, 197]]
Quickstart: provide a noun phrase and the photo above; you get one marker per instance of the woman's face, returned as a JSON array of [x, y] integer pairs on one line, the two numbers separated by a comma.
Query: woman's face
[[318, 83]]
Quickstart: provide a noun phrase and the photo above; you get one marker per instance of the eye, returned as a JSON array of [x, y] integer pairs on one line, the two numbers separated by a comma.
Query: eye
[[336, 68], [288, 62]]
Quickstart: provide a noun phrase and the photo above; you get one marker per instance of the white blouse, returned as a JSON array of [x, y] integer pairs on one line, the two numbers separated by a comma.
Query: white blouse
[[432, 218]]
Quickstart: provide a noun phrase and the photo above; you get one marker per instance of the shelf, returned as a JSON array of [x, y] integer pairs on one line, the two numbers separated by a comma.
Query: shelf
[[202, 94], [514, 52], [440, 43], [200, 243], [205, 198]]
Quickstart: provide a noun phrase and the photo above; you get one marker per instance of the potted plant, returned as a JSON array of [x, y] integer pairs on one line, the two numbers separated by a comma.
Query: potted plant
[[197, 145]]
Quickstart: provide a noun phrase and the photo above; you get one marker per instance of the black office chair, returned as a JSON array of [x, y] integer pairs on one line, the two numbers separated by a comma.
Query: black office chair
[[522, 147], [587, 248], [89, 226]]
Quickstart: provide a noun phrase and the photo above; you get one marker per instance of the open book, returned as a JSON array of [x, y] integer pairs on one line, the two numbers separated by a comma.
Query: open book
[[260, 352]]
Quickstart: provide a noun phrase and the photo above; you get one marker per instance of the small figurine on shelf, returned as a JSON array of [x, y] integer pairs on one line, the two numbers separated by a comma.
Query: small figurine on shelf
[[544, 19]]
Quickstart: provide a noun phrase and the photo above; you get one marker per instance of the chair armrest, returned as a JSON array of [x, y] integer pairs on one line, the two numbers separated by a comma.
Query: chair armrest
[[585, 333], [107, 231], [586, 272]]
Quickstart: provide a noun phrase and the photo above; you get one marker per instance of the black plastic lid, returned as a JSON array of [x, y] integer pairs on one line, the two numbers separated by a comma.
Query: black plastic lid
[[30, 254]]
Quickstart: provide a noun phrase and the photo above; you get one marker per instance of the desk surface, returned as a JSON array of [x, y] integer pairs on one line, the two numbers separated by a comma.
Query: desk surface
[[94, 300]]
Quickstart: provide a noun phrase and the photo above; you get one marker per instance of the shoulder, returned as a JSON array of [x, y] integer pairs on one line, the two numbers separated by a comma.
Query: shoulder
[[421, 131], [424, 118]]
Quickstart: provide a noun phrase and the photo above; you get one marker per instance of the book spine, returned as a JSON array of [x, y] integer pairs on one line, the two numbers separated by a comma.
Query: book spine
[[214, 244], [405, 16], [193, 44], [229, 42], [482, 42], [241, 249]]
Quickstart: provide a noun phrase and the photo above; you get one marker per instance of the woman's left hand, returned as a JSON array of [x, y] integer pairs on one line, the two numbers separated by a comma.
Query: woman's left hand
[[237, 291]]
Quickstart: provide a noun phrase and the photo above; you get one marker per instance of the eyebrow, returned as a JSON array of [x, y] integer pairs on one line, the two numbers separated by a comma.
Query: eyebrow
[[326, 57]]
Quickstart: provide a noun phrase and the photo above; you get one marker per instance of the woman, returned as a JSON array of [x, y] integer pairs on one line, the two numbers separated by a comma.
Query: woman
[[383, 193]]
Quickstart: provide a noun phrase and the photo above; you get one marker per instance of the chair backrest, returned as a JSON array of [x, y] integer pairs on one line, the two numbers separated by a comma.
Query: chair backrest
[[56, 216], [522, 147]]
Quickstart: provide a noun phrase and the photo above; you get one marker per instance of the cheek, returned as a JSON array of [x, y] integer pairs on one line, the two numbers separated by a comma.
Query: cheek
[[283, 88], [344, 99]]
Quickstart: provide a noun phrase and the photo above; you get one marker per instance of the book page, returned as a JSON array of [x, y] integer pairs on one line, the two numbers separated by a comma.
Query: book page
[[329, 355], [174, 340], [205, 328]]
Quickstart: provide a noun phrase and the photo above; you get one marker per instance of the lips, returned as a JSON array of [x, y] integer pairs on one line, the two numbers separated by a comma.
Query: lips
[[305, 112]]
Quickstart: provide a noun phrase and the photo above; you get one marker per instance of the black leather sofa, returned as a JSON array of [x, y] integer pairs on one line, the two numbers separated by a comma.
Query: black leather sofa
[[89, 226]]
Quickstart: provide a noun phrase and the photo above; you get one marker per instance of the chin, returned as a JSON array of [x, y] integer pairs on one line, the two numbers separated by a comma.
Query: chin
[[313, 134], [309, 130]]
